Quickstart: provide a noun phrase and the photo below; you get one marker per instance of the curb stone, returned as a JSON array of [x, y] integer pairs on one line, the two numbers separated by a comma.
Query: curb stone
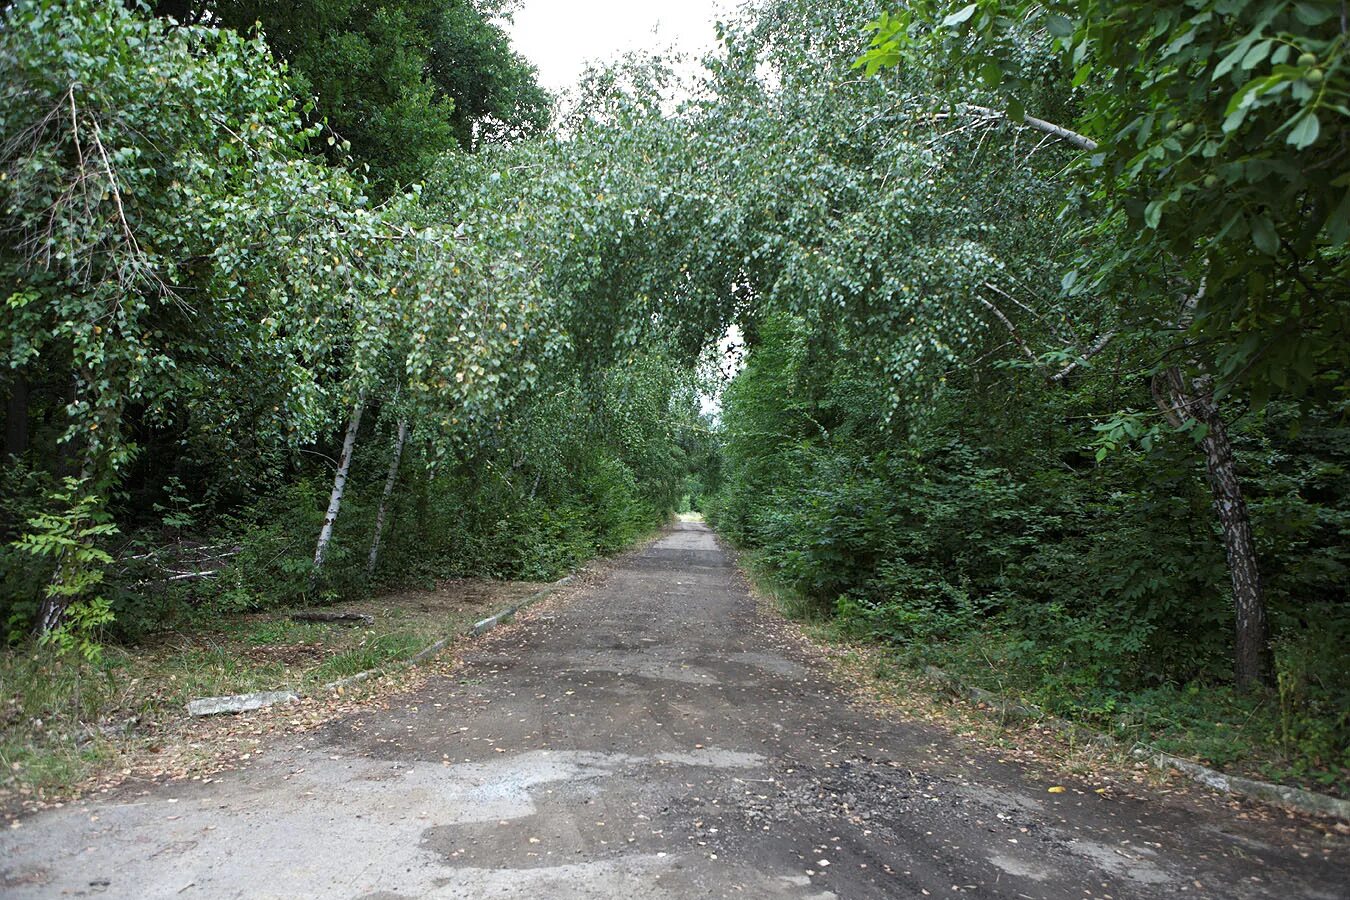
[[1297, 799], [509, 613], [237, 703], [473, 630], [1278, 794]]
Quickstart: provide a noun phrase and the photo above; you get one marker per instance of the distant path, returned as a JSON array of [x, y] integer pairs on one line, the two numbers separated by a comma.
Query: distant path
[[651, 737]]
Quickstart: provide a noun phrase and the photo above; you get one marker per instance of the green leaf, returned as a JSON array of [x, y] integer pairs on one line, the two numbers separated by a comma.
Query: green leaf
[[1232, 59], [1059, 26], [1313, 13], [1153, 213], [1306, 131], [1263, 235], [1016, 111], [991, 74], [1258, 53], [960, 15]]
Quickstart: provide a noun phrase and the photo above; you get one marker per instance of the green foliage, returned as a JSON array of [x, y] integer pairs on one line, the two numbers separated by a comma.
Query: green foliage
[[1217, 147], [199, 303], [1015, 558], [66, 539], [398, 82]]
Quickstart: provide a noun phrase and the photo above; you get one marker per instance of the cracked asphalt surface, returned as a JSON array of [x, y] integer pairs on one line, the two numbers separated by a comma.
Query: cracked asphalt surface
[[652, 735]]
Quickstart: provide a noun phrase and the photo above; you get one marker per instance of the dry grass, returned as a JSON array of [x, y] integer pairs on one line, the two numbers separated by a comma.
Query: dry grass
[[65, 723]]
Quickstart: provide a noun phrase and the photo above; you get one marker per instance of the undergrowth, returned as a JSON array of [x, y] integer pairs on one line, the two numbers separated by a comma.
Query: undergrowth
[[62, 717], [1263, 735]]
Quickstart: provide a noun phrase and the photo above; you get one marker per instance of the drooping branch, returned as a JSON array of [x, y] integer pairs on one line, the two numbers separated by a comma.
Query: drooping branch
[[1012, 328], [114, 188], [1080, 141], [1097, 347], [1058, 377]]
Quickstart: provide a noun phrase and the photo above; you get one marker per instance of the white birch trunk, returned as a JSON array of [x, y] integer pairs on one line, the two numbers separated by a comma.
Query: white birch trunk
[[339, 484], [385, 497], [1191, 399]]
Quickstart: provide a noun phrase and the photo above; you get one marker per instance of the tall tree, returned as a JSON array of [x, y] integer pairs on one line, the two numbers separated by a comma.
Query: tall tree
[[1214, 139], [401, 81]]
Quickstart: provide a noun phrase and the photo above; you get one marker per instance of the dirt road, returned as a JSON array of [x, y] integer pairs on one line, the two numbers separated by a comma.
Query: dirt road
[[652, 736]]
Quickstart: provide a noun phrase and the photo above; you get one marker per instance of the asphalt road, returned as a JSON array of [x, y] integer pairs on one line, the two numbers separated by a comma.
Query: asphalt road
[[651, 736]]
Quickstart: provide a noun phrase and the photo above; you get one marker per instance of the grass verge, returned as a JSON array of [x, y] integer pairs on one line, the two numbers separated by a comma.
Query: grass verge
[[1239, 734], [62, 721]]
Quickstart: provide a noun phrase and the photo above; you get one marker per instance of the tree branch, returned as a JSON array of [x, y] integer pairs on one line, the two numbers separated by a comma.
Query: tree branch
[[1082, 142], [1012, 328], [1097, 347]]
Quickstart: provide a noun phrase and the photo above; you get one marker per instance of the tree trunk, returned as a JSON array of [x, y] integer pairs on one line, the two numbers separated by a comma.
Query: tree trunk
[[1252, 657], [54, 604], [55, 600], [16, 417], [339, 486], [384, 498]]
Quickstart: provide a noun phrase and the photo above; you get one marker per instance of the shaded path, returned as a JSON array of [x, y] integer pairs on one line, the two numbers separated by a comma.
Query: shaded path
[[651, 737]]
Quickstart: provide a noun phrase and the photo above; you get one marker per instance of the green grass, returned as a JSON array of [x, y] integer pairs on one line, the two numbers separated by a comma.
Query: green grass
[[1283, 737], [51, 708], [373, 653], [1278, 736]]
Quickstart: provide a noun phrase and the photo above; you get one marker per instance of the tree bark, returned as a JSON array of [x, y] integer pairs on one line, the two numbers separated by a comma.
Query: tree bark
[[54, 605], [1080, 141], [56, 601], [1188, 398], [339, 486], [384, 498]]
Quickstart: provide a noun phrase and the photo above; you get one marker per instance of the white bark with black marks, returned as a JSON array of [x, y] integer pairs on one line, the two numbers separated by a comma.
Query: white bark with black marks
[[1191, 399], [339, 485], [389, 482]]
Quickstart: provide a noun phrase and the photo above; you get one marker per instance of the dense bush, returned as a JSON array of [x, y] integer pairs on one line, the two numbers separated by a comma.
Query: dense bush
[[1023, 562], [202, 322]]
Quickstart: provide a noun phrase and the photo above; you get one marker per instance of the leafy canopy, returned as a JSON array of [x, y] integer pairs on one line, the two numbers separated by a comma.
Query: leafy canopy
[[401, 80]]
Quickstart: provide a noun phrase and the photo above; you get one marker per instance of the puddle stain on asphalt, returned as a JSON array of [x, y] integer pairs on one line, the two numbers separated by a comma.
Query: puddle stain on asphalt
[[651, 735]]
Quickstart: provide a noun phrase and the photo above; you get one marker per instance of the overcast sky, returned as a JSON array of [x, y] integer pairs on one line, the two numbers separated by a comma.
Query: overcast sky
[[561, 36]]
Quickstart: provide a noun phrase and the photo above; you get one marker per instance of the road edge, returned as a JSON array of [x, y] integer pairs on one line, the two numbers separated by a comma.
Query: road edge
[[477, 628], [1285, 796]]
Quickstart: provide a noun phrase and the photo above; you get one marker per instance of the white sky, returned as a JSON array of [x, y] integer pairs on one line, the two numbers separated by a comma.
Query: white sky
[[561, 36]]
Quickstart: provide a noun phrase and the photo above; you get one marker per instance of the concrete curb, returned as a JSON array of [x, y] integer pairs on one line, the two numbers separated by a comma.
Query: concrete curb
[[1293, 798], [474, 630], [238, 703], [1297, 799], [509, 613]]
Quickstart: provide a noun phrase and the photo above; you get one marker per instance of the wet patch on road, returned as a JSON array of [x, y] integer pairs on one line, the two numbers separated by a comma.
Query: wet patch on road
[[653, 735]]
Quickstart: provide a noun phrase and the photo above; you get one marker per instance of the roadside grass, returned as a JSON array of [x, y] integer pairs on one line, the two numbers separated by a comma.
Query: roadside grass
[[62, 719], [1240, 734]]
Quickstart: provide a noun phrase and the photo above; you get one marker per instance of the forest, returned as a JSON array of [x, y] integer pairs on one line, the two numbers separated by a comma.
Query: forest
[[1009, 337]]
